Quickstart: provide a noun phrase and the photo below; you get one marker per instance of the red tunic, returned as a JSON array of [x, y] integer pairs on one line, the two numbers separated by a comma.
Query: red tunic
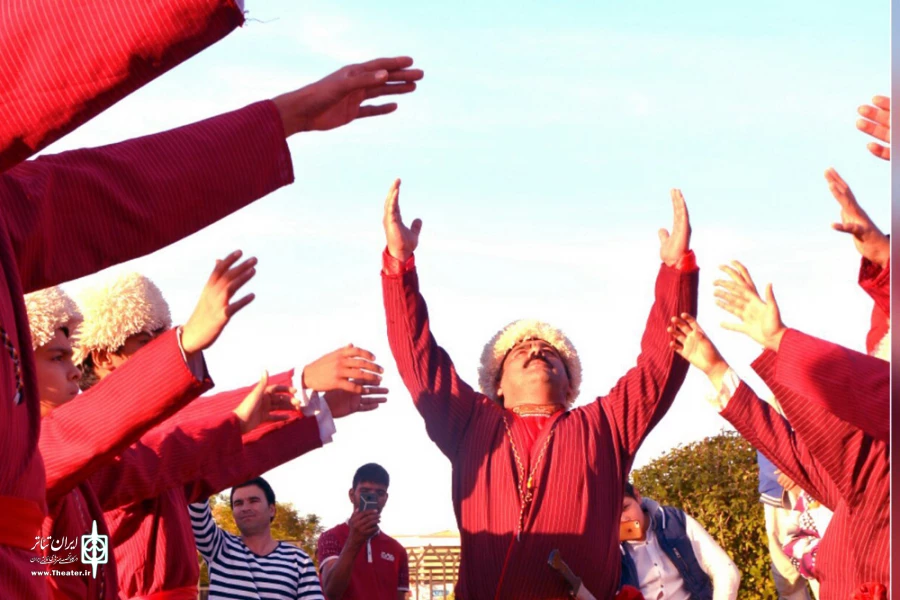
[[877, 283], [838, 464], [848, 384], [380, 570], [90, 209], [579, 486], [66, 62], [154, 542]]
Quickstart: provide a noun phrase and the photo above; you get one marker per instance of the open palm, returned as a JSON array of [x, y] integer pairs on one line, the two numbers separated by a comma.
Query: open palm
[[760, 320], [402, 241]]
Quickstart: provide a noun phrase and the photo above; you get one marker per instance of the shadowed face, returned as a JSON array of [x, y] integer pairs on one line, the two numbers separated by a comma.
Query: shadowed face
[[252, 512], [532, 371], [631, 511], [57, 375], [107, 362]]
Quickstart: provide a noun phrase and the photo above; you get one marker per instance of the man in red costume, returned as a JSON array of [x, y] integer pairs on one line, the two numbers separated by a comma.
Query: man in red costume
[[60, 211], [163, 378], [530, 474], [834, 459], [149, 524]]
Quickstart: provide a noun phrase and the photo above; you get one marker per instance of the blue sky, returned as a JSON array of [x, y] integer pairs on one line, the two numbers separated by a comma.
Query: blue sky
[[539, 151]]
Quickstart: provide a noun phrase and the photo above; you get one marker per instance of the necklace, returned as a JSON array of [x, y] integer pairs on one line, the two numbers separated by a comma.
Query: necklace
[[526, 487]]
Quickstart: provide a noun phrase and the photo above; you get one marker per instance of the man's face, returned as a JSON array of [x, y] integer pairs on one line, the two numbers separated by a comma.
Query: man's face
[[132, 344], [631, 511], [57, 375], [252, 512], [367, 487], [530, 364]]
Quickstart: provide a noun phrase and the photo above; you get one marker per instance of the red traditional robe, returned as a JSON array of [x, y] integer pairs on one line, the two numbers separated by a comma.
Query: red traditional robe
[[66, 62], [152, 535], [877, 283], [139, 394], [579, 485], [89, 209], [836, 462]]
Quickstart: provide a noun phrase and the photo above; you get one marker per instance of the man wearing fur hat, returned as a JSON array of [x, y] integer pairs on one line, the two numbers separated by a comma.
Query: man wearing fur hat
[[530, 473], [125, 200], [163, 377], [152, 536]]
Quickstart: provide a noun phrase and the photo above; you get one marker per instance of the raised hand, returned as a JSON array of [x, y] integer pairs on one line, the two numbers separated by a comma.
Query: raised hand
[[342, 403], [869, 240], [337, 99], [350, 369], [876, 122], [759, 320], [215, 309], [402, 241], [691, 343], [675, 245], [257, 407], [363, 525]]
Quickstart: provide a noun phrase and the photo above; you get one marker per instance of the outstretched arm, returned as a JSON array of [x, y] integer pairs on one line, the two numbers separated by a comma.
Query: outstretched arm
[[67, 70], [640, 399], [79, 437], [846, 384], [103, 206], [754, 419], [444, 400]]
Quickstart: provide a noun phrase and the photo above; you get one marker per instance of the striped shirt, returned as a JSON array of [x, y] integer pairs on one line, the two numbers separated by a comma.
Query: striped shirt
[[286, 573]]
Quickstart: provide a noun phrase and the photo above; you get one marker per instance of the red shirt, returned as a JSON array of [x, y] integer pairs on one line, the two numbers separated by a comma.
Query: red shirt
[[89, 209], [578, 484], [381, 568]]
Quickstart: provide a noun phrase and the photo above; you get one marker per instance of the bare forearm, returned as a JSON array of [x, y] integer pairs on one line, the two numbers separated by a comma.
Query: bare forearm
[[336, 579]]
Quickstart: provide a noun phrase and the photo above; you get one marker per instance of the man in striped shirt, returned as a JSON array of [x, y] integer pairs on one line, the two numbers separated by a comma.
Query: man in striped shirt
[[252, 564]]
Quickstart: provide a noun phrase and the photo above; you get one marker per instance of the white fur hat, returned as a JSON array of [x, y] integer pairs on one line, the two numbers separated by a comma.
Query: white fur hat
[[113, 312], [48, 310], [495, 352]]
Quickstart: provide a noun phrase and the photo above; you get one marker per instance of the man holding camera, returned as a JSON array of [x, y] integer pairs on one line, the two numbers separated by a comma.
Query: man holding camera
[[356, 559]]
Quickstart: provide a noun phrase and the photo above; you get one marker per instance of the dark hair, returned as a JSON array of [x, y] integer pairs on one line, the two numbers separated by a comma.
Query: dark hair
[[629, 491], [371, 473], [261, 484], [89, 376]]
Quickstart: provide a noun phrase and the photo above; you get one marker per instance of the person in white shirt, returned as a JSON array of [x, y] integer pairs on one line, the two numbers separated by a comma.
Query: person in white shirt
[[669, 556]]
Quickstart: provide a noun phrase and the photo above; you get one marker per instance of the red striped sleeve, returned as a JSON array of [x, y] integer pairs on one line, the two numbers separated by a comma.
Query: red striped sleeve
[[78, 438], [770, 433], [159, 462], [643, 395], [66, 62], [851, 385], [445, 401], [102, 206]]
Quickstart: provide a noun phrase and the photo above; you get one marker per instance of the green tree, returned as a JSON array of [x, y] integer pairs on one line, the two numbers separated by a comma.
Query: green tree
[[288, 526], [716, 482]]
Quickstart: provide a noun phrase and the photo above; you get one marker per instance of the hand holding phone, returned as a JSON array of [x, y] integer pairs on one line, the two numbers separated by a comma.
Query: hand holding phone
[[368, 501]]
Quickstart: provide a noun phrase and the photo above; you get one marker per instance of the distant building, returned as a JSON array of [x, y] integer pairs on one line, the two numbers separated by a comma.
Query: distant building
[[433, 563]]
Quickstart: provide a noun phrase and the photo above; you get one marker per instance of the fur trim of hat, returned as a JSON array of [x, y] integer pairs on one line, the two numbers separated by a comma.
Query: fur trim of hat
[[48, 310], [125, 306], [496, 349]]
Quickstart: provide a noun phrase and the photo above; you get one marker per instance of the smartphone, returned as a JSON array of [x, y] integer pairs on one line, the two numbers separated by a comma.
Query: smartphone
[[368, 501], [630, 530]]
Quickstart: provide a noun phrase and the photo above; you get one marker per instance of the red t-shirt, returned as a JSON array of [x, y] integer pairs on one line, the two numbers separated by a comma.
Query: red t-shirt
[[381, 568]]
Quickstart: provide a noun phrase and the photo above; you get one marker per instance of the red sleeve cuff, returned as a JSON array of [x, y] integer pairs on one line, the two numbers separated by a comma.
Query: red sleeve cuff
[[687, 263], [395, 266]]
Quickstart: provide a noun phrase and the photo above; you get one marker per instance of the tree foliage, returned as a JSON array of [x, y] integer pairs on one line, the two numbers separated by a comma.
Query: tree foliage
[[716, 482], [288, 526]]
